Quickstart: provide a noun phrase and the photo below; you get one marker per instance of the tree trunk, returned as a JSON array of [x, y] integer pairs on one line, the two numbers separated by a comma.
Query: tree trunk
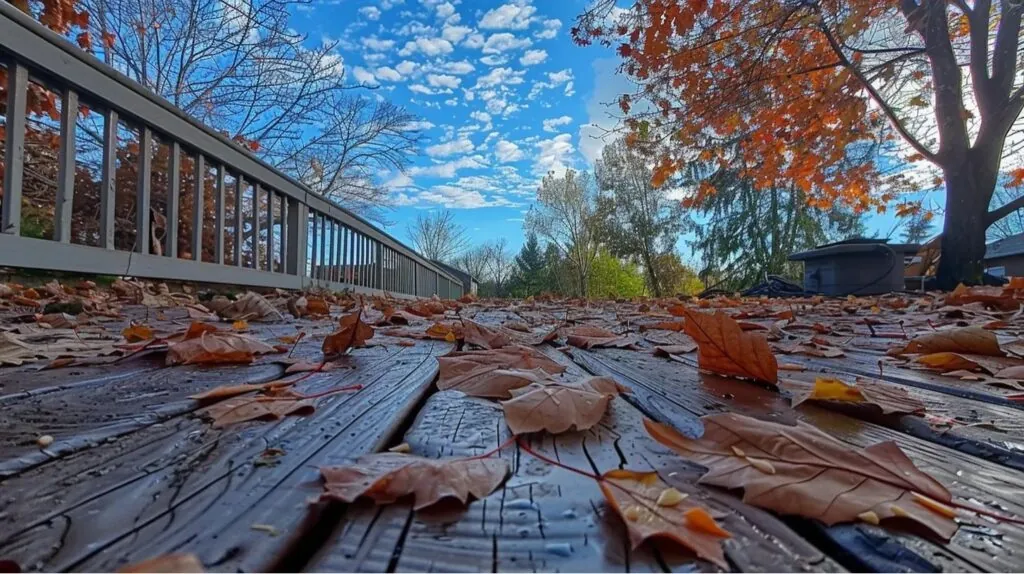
[[968, 192]]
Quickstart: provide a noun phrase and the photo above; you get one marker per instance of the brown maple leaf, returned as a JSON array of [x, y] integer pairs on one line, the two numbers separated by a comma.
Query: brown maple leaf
[[558, 407], [886, 397], [724, 348], [483, 336], [801, 470], [651, 509], [973, 340], [352, 333], [259, 407], [494, 383], [589, 336], [386, 477], [215, 347], [249, 307], [464, 368]]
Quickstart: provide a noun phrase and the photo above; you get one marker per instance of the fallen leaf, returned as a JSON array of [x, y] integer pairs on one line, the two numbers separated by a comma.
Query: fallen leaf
[[886, 397], [137, 333], [1011, 373], [249, 408], [216, 347], [15, 351], [492, 373], [724, 348], [386, 477], [240, 325], [993, 296], [801, 470], [588, 336], [810, 349], [635, 498], [315, 306], [974, 340], [496, 383], [166, 564], [249, 307], [558, 407], [228, 391], [483, 336], [353, 333], [947, 362]]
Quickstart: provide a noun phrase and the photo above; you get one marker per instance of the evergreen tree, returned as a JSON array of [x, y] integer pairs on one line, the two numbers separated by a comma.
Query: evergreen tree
[[530, 267]]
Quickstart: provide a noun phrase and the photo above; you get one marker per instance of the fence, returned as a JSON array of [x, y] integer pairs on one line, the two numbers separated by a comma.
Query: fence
[[170, 198]]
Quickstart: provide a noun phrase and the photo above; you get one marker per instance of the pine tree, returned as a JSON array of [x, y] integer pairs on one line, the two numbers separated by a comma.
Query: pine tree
[[530, 266]]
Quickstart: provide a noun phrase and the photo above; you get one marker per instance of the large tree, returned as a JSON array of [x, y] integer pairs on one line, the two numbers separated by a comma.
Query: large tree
[[436, 235], [637, 219], [529, 273], [806, 87], [564, 217]]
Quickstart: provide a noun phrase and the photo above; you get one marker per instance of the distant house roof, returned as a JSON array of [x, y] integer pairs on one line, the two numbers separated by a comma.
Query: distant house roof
[[467, 279], [1013, 245]]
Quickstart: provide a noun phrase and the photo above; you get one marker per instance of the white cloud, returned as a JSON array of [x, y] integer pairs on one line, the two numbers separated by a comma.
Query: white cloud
[[500, 76], [461, 145], [445, 11], [421, 89], [455, 34], [552, 124], [474, 41], [553, 154], [457, 68], [399, 181], [427, 46], [503, 42], [533, 57], [449, 169], [388, 4], [555, 79], [481, 116], [496, 105], [415, 28], [494, 60], [370, 12], [419, 125], [560, 76], [508, 17], [443, 81], [363, 76], [388, 74], [507, 152], [550, 29], [459, 196], [377, 45], [406, 68], [569, 91]]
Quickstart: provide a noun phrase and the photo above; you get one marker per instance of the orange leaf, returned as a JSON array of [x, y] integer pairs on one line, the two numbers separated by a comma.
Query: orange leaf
[[386, 477], [886, 397], [801, 470], [166, 564], [588, 336], [482, 336], [217, 347], [974, 340], [724, 348], [136, 333], [353, 333], [635, 496]]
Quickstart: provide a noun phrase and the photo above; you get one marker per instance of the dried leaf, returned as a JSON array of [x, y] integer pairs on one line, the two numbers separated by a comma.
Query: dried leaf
[[249, 307], [635, 497], [493, 373], [166, 564], [483, 336], [137, 333], [724, 348], [801, 470], [810, 349], [588, 336], [216, 347], [993, 296], [316, 306], [15, 351], [558, 407], [386, 477], [886, 397], [249, 408], [228, 391], [974, 340], [495, 383], [353, 333]]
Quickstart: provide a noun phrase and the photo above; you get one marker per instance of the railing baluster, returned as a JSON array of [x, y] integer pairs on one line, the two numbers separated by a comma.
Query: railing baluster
[[198, 207], [314, 260], [142, 190], [322, 239], [218, 218], [346, 260], [339, 232], [173, 200], [332, 251], [285, 231], [239, 219], [14, 144], [255, 223], [270, 230], [66, 167], [294, 251], [108, 180]]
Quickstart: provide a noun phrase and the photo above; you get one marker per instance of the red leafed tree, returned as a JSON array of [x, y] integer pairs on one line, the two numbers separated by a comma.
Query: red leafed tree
[[803, 93]]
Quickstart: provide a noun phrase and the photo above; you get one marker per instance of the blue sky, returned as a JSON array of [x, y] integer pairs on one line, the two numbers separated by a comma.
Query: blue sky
[[503, 93]]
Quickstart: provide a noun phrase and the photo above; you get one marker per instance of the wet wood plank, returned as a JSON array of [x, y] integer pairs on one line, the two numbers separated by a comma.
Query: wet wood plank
[[678, 394], [179, 485]]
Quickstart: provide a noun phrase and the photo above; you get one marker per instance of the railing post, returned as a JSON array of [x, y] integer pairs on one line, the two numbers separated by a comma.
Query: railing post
[[14, 146], [297, 233], [218, 218], [142, 190], [108, 180], [270, 230], [314, 252], [239, 219], [173, 200], [339, 231], [66, 167], [255, 223], [380, 265], [285, 232], [198, 208]]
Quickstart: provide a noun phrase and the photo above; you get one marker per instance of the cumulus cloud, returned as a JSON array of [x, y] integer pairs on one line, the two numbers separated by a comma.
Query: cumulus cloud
[[455, 34], [377, 45], [406, 68], [388, 74], [370, 12], [555, 79], [551, 125], [553, 154], [445, 10], [503, 42], [507, 152], [457, 68], [494, 60], [461, 145], [421, 89], [500, 76], [550, 29], [443, 81], [449, 169], [508, 17], [363, 76], [427, 46], [481, 116], [474, 41], [533, 57]]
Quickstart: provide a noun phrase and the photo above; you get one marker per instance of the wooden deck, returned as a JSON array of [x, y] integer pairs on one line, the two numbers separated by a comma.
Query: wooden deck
[[134, 472]]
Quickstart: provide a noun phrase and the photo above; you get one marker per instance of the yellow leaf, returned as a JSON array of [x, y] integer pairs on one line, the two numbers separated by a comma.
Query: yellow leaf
[[240, 325]]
